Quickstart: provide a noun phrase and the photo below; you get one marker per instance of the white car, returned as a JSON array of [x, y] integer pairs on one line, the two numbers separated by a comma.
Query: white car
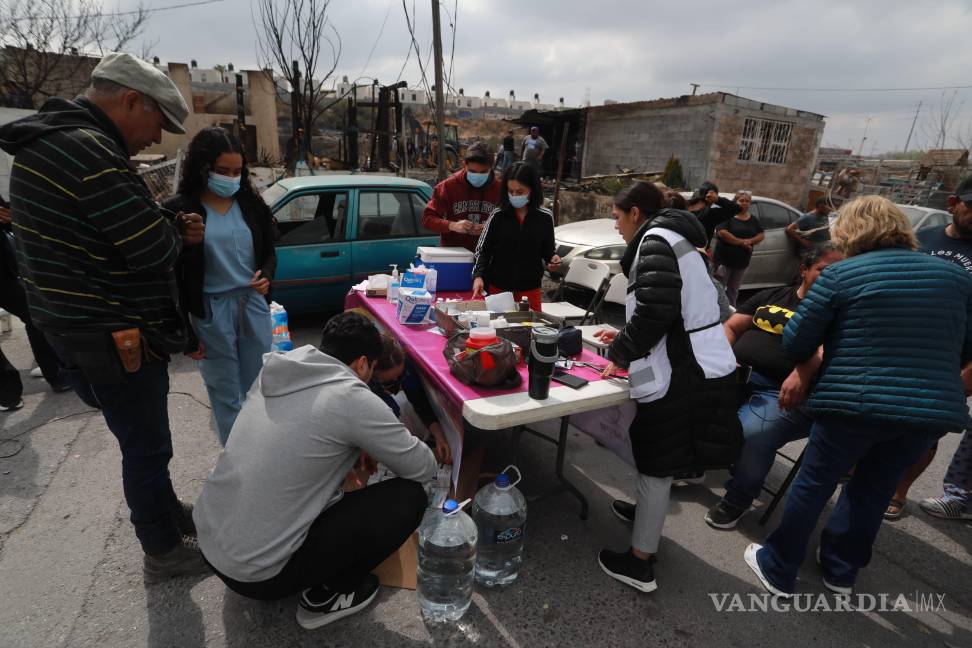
[[925, 217], [774, 260]]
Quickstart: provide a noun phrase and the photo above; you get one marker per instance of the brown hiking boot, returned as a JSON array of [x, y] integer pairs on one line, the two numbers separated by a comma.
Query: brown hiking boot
[[184, 559]]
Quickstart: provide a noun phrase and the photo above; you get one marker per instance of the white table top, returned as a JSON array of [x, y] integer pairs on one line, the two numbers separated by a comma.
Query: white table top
[[509, 410]]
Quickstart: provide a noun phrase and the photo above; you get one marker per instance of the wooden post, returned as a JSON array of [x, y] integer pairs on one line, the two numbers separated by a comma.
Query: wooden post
[[560, 172], [439, 99]]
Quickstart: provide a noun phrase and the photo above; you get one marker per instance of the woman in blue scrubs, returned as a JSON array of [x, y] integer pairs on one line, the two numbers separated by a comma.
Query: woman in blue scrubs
[[225, 283]]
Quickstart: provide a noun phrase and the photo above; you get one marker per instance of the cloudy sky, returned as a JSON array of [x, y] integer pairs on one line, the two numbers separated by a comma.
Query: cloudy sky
[[633, 49]]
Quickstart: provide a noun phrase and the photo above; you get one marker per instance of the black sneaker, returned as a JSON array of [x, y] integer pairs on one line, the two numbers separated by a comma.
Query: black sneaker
[[184, 559], [319, 606], [628, 569], [623, 510], [12, 408], [724, 515]]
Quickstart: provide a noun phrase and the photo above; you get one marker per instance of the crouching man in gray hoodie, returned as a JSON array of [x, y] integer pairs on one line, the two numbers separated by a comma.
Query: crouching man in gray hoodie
[[273, 520]]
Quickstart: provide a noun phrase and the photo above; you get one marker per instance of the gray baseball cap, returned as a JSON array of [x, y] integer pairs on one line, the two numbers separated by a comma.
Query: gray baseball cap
[[131, 72]]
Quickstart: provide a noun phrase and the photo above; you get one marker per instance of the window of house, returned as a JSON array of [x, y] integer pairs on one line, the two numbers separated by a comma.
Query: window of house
[[313, 218], [765, 140]]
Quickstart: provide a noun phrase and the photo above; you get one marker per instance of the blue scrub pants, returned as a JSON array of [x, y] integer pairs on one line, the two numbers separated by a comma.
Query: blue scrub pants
[[235, 334]]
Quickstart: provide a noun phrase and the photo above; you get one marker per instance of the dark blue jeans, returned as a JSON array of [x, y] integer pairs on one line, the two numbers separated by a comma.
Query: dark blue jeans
[[881, 453], [137, 413]]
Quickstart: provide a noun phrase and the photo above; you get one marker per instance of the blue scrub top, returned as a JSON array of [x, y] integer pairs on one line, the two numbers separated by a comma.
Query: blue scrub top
[[230, 261]]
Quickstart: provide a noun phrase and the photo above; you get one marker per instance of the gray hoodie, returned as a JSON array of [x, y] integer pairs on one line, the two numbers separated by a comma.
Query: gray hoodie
[[301, 429]]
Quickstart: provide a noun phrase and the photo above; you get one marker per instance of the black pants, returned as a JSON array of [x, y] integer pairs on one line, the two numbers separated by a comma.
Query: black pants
[[11, 386], [13, 299], [136, 411], [346, 542]]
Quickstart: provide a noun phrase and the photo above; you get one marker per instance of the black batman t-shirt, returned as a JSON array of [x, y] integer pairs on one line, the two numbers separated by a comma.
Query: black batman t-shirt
[[762, 345]]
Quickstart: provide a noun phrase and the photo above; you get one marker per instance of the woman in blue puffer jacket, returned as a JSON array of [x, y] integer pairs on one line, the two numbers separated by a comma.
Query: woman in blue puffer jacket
[[896, 328]]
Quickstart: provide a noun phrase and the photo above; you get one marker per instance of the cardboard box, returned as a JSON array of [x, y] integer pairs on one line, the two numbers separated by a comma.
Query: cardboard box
[[400, 569]]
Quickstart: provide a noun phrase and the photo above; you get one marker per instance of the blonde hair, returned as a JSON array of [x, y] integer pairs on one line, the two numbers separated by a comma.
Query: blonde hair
[[871, 223]]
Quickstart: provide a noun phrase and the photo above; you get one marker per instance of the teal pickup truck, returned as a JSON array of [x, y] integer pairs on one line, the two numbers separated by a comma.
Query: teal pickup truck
[[337, 229]]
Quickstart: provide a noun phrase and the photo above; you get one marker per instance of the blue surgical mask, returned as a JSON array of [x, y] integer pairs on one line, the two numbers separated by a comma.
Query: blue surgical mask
[[519, 201], [223, 186], [477, 179]]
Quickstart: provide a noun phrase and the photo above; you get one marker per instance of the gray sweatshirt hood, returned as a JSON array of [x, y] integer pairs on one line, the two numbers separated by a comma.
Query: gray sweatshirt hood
[[303, 368]]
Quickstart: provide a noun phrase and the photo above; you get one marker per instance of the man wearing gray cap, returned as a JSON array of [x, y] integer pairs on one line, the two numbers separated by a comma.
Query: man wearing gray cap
[[98, 255]]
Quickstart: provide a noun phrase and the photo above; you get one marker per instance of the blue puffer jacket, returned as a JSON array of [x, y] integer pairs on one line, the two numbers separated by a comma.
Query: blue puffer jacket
[[896, 326]]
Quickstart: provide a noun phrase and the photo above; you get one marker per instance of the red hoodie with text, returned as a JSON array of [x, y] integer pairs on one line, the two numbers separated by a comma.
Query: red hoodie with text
[[453, 200]]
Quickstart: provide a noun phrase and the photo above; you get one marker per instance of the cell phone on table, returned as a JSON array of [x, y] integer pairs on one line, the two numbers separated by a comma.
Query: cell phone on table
[[564, 378]]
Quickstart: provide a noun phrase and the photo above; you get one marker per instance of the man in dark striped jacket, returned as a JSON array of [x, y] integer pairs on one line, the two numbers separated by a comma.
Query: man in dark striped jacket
[[97, 256]]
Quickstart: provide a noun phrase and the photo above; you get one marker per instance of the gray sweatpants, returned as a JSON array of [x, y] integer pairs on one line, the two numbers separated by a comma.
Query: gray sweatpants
[[652, 500]]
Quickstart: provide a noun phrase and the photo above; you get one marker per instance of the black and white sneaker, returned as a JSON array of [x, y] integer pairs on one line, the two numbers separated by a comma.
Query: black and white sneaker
[[624, 511], [724, 515], [12, 408], [945, 509], [628, 569], [319, 606]]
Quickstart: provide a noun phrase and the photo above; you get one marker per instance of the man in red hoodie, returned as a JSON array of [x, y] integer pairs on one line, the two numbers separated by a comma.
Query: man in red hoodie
[[462, 203]]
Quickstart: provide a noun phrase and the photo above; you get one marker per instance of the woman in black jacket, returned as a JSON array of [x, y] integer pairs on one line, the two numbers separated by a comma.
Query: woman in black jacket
[[518, 241], [225, 283], [681, 369]]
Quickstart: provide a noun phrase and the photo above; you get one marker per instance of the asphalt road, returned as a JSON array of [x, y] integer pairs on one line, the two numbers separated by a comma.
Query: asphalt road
[[70, 567]]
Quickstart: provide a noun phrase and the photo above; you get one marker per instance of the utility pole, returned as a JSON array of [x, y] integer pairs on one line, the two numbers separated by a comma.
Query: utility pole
[[695, 88], [908, 141], [439, 100], [860, 149]]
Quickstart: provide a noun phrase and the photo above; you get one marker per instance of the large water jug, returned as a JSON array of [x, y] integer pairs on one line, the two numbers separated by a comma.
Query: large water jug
[[500, 513], [447, 555]]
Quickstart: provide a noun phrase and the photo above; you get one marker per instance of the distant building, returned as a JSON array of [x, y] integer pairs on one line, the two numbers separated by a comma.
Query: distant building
[[735, 142], [214, 104]]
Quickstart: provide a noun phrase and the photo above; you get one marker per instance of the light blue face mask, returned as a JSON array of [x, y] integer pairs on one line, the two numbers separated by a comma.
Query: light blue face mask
[[477, 179], [223, 186], [519, 201]]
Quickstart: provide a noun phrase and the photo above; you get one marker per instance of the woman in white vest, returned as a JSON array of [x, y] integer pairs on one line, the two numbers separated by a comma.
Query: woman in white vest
[[681, 369]]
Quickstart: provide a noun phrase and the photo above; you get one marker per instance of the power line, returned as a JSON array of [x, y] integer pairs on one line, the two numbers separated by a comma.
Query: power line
[[380, 32], [741, 87], [418, 54], [184, 5]]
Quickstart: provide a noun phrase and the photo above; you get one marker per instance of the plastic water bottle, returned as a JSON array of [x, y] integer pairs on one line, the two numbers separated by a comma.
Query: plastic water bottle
[[281, 328], [447, 555], [500, 513]]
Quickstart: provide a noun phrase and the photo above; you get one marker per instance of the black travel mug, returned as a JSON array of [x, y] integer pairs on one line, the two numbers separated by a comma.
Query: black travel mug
[[543, 356]]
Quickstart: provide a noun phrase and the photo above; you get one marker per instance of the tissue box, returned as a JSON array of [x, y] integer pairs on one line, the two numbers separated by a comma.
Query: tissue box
[[414, 305]]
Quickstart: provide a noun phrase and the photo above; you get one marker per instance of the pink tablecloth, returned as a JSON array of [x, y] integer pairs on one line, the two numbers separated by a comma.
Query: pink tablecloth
[[425, 348]]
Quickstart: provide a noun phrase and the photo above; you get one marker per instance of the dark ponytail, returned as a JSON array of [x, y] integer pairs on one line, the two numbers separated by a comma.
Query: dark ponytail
[[644, 195]]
